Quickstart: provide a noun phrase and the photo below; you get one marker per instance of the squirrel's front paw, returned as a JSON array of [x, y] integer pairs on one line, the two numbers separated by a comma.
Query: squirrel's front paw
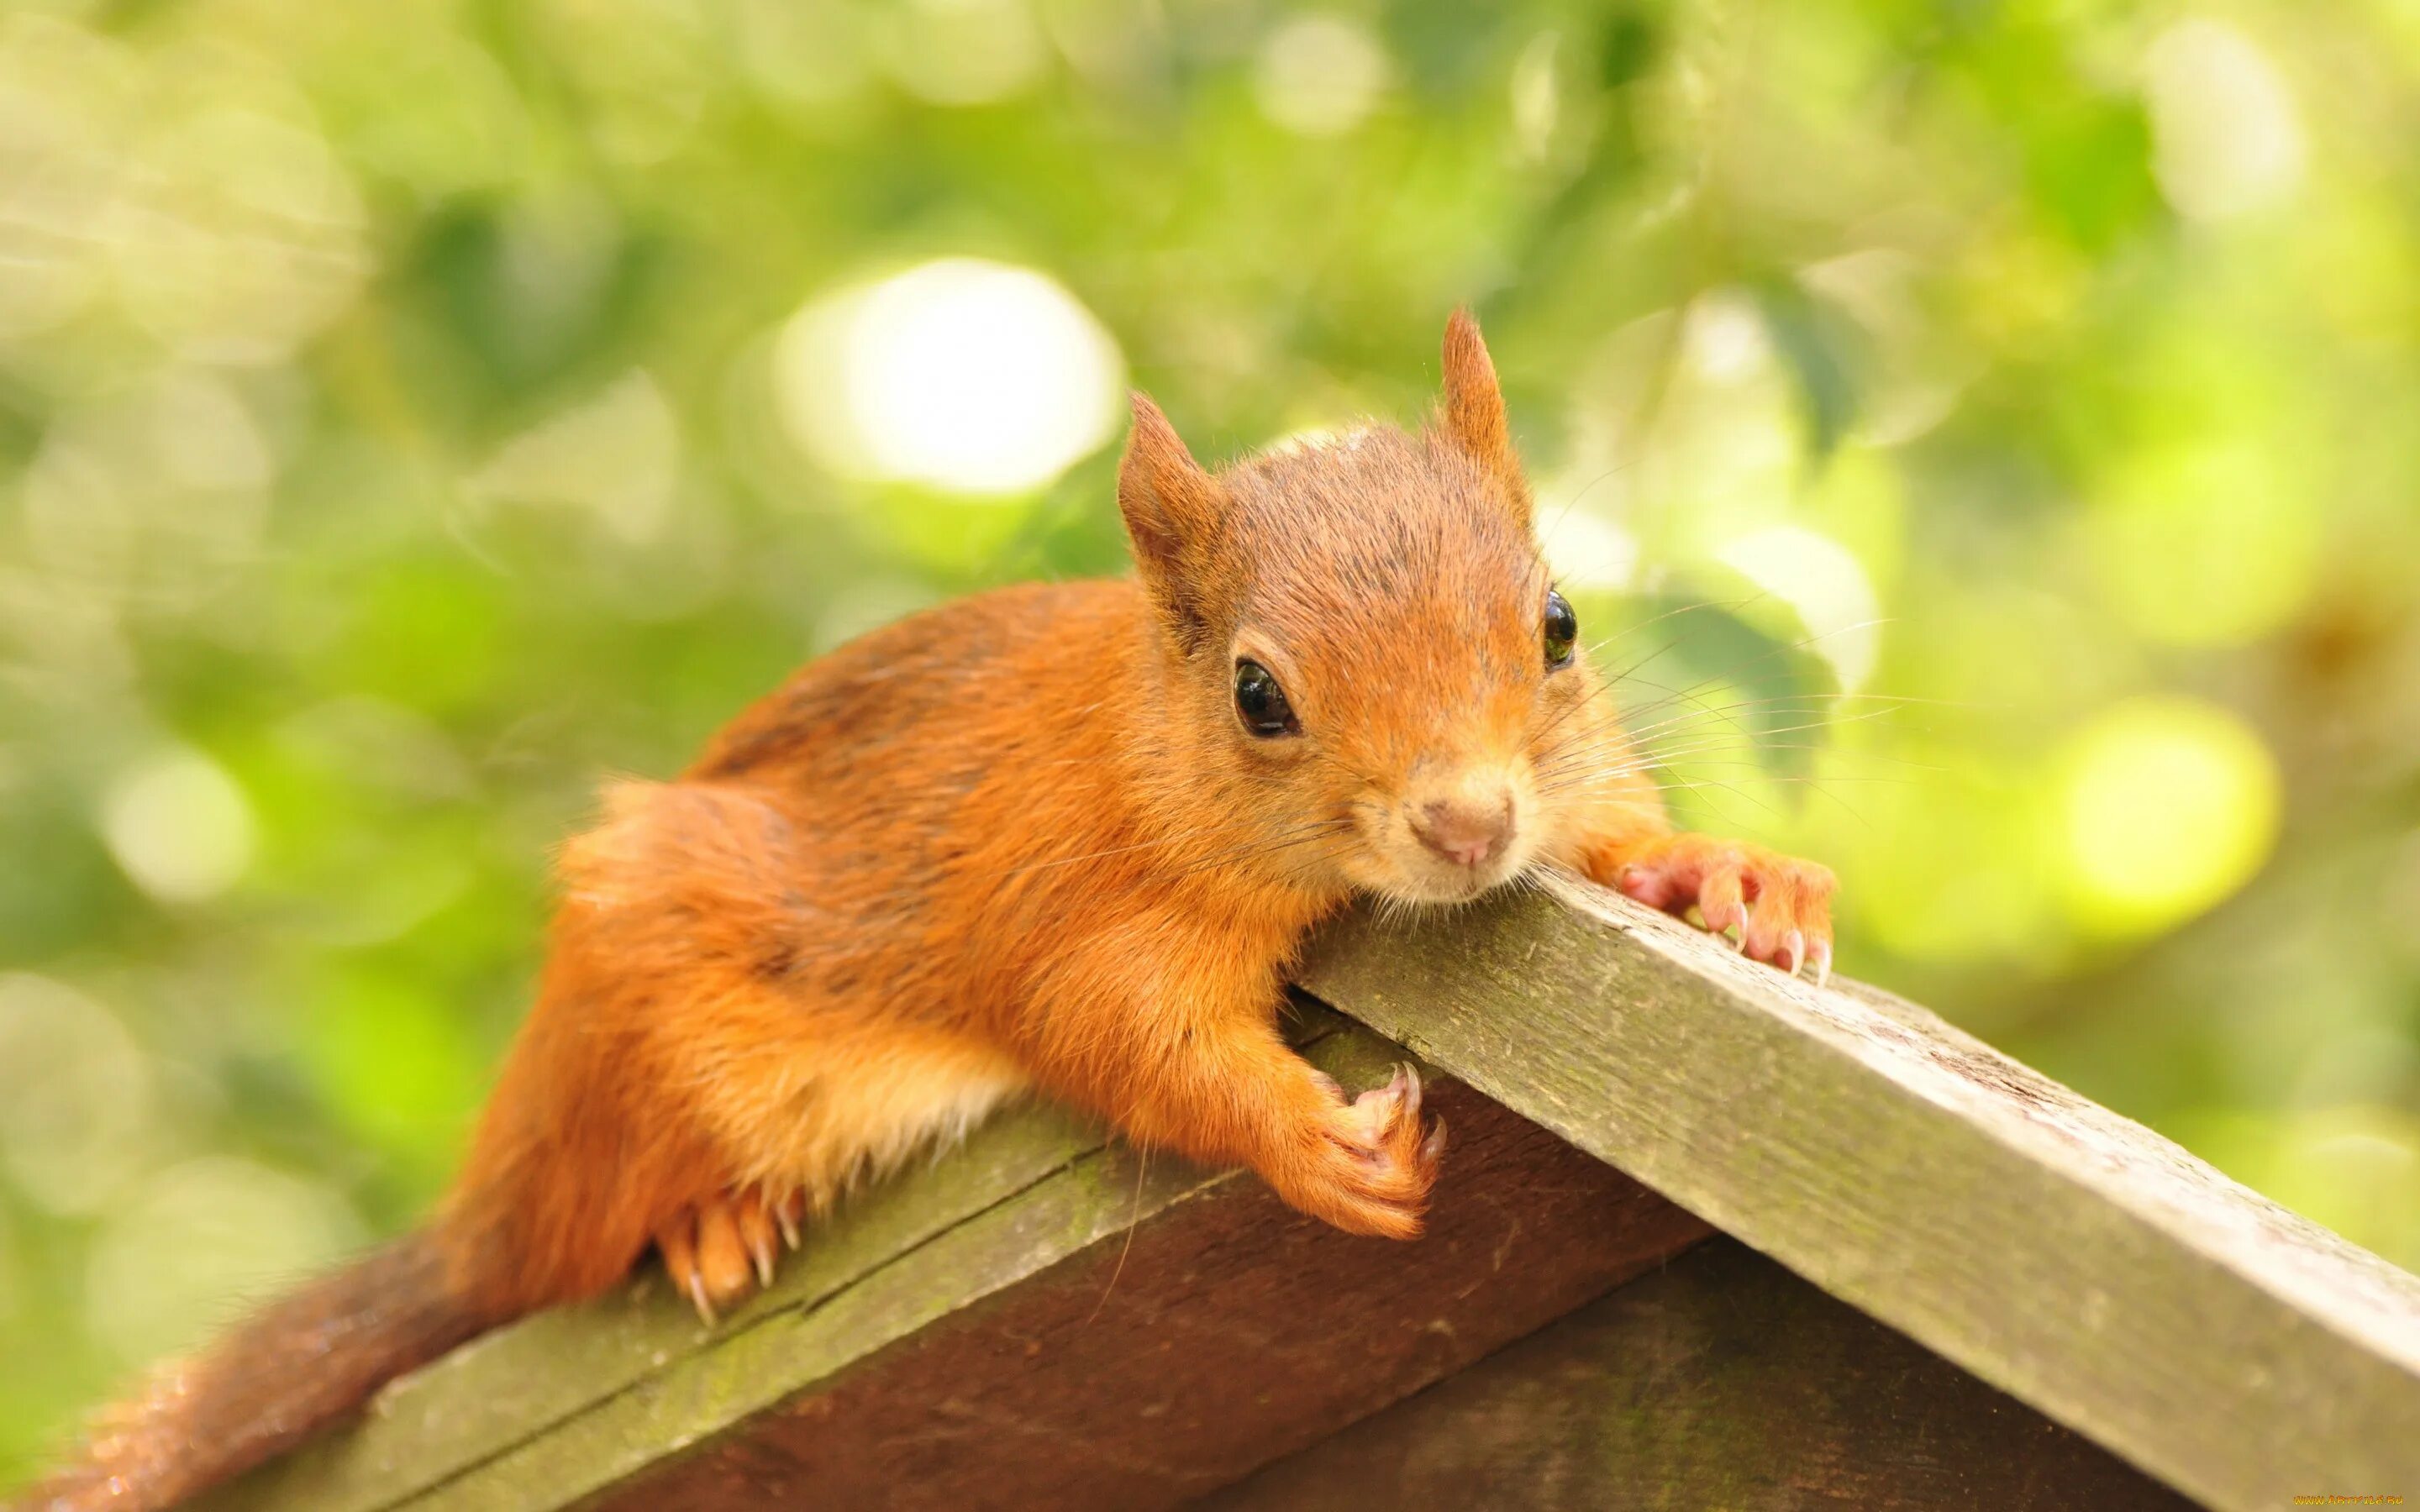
[[1781, 907], [1365, 1165], [718, 1252]]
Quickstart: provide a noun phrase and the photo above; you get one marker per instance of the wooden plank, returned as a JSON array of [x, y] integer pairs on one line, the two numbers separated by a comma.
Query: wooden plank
[[1720, 1381], [1101, 1333], [521, 1381], [2070, 1258]]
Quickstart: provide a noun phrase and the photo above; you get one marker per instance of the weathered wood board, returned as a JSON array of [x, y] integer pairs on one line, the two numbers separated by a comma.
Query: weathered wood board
[[1719, 1381], [2073, 1259], [1042, 1321], [524, 1380], [1045, 1317]]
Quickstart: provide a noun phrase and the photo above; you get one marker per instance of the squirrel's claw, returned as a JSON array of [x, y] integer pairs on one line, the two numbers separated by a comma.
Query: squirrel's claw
[[786, 1212], [1366, 1165], [1793, 954], [721, 1251], [755, 1225], [1780, 906], [676, 1241]]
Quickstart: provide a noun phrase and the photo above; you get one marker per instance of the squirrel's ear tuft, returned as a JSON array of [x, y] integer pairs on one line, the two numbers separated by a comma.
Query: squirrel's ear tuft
[[1474, 417], [1173, 512]]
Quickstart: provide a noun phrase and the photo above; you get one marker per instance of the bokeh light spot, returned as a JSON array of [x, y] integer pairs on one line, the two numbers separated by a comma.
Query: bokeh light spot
[[75, 1095], [1321, 75], [60, 88], [1726, 339], [2171, 805], [244, 237], [162, 490], [964, 52], [2226, 137], [1590, 551], [179, 826], [1825, 582], [973, 377]]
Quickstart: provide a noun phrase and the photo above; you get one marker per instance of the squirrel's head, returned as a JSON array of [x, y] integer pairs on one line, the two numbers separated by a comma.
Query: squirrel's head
[[1369, 652]]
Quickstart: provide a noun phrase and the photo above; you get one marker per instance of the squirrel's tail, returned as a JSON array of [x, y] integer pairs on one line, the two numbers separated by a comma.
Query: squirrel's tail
[[270, 1382]]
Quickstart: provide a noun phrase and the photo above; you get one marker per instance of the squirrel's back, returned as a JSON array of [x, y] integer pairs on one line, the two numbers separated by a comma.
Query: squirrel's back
[[942, 688], [942, 775]]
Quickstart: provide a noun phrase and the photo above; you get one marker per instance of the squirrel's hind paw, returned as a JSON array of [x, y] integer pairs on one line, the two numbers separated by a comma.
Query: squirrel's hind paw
[[719, 1253]]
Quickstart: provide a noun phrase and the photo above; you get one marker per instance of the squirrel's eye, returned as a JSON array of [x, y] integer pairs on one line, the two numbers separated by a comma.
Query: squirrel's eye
[[1262, 704], [1562, 630]]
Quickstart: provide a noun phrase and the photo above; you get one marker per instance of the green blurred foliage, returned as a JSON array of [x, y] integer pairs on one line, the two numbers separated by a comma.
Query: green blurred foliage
[[1981, 430]]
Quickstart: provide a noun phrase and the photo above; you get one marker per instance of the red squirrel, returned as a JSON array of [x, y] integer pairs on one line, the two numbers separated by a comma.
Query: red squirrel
[[1059, 837]]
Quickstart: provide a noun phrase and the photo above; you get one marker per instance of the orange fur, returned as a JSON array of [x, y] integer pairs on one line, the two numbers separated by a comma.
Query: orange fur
[[1025, 841]]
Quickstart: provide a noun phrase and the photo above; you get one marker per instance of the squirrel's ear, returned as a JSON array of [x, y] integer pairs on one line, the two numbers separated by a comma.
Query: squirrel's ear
[[1173, 511], [1474, 416]]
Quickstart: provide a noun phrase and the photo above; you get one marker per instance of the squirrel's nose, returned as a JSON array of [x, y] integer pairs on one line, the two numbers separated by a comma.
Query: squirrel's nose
[[1465, 832]]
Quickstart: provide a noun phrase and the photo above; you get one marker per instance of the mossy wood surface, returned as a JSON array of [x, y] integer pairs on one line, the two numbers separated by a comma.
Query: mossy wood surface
[[1043, 1317], [1718, 1380], [2075, 1261], [1040, 1319]]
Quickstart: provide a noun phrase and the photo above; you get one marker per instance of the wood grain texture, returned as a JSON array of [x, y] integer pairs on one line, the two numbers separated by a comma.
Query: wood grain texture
[[1229, 1330], [1719, 1381], [517, 1383], [1100, 1332], [2073, 1259]]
